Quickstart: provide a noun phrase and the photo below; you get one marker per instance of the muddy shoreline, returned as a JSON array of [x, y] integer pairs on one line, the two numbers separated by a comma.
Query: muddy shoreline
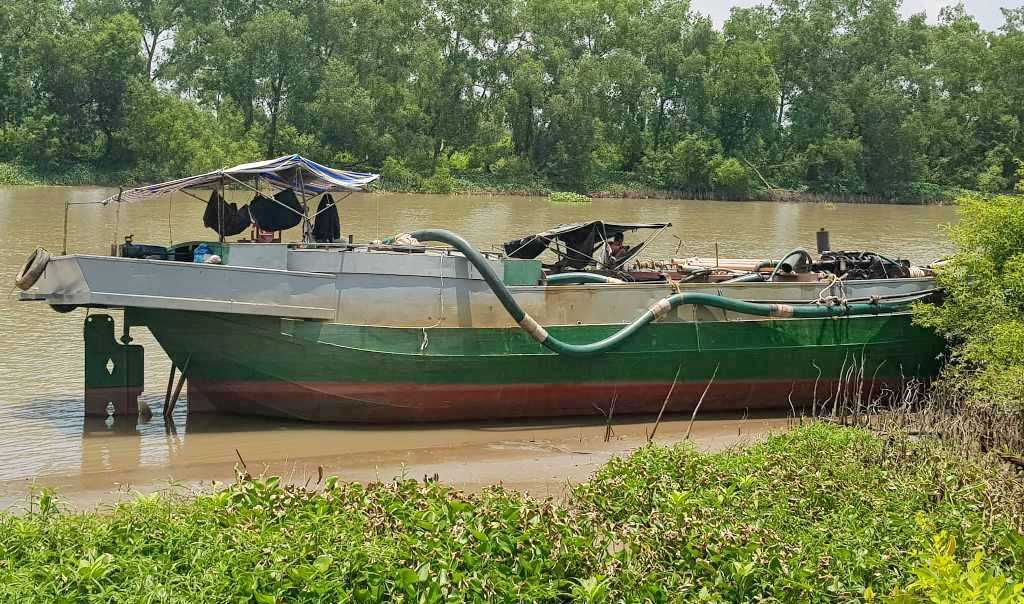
[[541, 458]]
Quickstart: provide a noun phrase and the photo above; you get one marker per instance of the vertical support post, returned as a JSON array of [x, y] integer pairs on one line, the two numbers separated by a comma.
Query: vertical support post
[[220, 211], [170, 231], [117, 222], [172, 398], [114, 372], [64, 248]]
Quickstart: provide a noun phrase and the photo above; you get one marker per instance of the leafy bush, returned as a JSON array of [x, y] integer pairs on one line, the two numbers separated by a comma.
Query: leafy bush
[[459, 161], [16, 174], [991, 180], [834, 166], [686, 166], [928, 191], [396, 175], [731, 177], [983, 313], [511, 167], [941, 578], [568, 197], [440, 181], [816, 515]]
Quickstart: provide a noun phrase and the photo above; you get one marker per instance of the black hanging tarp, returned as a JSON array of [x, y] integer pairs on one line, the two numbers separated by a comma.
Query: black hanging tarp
[[327, 225], [278, 214], [225, 218]]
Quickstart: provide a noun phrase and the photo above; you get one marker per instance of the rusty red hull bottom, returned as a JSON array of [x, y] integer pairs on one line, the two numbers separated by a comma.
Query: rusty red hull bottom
[[396, 403]]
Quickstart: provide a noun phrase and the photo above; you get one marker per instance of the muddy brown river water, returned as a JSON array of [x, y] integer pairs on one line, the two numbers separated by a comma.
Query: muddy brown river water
[[44, 440]]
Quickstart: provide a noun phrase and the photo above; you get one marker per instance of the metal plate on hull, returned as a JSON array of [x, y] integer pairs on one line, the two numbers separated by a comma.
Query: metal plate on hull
[[125, 282]]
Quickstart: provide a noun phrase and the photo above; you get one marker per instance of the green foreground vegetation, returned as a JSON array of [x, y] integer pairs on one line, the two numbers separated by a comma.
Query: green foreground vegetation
[[821, 514], [831, 97]]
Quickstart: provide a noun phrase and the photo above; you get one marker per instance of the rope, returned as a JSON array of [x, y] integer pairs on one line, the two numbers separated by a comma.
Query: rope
[[440, 305], [673, 284], [831, 300]]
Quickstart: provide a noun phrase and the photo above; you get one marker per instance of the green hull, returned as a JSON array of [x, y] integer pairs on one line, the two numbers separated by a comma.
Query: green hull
[[331, 372]]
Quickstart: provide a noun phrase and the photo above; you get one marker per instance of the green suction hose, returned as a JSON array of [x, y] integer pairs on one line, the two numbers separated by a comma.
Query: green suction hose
[[659, 309]]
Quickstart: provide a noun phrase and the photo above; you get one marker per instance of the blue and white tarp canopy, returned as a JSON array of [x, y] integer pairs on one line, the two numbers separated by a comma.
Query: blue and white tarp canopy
[[287, 172]]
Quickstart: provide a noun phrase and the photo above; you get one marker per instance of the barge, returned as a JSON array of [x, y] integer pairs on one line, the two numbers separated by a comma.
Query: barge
[[423, 327]]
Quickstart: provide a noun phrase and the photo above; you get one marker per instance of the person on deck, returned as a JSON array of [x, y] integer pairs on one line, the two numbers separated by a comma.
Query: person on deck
[[616, 248]]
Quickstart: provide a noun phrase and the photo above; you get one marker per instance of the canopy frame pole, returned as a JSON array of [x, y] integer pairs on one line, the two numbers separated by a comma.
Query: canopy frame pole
[[651, 239], [220, 211], [332, 205], [194, 196], [307, 235], [248, 186]]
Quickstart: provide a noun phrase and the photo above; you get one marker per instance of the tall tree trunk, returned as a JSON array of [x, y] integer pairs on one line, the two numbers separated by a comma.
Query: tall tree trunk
[[782, 108], [150, 51], [659, 124], [108, 144], [275, 108]]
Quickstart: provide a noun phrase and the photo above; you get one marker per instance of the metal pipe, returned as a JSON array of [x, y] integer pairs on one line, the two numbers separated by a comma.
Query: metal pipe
[[64, 248], [750, 278], [786, 266], [823, 242], [580, 278]]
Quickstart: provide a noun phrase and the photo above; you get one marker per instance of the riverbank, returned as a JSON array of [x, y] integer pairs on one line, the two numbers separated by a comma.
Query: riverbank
[[542, 457], [14, 174], [819, 514]]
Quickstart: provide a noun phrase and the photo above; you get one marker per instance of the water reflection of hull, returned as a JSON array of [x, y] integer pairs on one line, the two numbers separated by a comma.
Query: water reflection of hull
[[334, 372]]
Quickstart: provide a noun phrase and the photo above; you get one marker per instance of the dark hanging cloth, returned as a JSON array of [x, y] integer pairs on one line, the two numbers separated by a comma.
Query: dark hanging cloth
[[327, 225], [274, 216], [233, 220]]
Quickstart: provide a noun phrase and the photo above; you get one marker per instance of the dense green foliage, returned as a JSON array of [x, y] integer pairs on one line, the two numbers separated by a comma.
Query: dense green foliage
[[983, 315], [866, 519], [830, 96]]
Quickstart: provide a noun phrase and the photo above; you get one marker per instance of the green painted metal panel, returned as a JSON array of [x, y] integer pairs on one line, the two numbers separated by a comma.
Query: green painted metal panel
[[114, 372], [521, 272], [256, 348]]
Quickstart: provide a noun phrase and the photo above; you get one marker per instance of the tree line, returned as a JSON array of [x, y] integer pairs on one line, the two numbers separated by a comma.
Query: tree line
[[830, 96]]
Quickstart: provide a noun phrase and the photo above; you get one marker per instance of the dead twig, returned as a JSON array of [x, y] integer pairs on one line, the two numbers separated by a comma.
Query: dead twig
[[701, 401], [657, 422], [608, 432]]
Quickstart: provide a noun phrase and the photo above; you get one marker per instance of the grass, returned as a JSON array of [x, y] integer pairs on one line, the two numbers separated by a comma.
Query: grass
[[820, 514]]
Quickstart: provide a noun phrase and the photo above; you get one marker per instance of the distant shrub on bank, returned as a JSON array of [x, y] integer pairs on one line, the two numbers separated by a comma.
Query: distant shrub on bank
[[568, 197], [441, 181], [16, 174]]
